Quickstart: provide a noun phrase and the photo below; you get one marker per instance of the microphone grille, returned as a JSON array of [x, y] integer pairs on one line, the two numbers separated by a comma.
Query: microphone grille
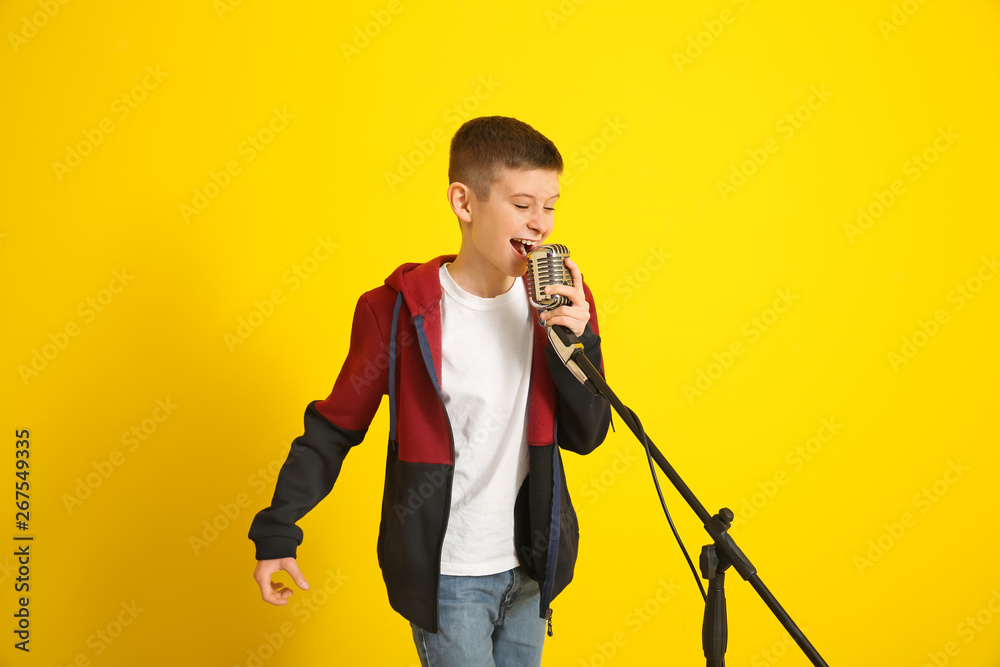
[[547, 266]]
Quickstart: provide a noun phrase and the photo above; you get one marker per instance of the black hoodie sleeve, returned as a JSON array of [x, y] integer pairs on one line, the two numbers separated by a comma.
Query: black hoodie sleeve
[[306, 477], [315, 458], [582, 417]]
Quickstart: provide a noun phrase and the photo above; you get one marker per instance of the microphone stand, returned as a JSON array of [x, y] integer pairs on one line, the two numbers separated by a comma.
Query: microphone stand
[[715, 558]]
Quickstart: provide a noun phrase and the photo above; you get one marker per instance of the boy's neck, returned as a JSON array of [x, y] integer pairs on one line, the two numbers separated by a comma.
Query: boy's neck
[[479, 278]]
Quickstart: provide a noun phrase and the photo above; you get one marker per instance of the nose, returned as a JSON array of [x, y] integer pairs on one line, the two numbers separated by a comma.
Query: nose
[[538, 223]]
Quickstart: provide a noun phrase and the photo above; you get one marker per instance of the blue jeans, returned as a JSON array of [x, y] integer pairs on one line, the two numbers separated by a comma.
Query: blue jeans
[[485, 621]]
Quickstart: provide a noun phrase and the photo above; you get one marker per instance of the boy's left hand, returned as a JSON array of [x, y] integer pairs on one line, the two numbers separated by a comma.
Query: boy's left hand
[[574, 316]]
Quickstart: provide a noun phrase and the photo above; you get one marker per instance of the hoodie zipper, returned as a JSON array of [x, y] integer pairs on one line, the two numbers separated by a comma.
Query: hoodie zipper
[[425, 352]]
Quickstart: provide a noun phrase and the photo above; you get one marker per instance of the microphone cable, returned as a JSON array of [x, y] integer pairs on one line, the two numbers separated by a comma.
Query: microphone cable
[[547, 261], [663, 503]]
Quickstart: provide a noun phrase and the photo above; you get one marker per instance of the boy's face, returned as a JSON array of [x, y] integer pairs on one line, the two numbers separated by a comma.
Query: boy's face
[[519, 211]]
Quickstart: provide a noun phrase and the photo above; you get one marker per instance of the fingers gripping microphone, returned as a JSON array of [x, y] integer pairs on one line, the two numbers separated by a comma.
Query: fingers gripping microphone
[[546, 267]]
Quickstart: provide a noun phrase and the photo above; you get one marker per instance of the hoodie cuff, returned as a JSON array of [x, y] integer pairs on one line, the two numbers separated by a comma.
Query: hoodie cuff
[[269, 548]]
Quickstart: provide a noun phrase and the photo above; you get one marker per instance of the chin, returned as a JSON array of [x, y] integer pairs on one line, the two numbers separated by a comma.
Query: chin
[[512, 266], [518, 271]]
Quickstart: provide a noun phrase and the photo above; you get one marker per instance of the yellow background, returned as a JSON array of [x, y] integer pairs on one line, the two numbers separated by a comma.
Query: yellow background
[[647, 137]]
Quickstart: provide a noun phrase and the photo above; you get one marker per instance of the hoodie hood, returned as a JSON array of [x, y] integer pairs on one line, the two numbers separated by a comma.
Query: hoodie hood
[[419, 283]]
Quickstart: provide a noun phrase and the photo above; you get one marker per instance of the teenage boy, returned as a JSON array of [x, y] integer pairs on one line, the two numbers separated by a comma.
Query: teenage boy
[[477, 532]]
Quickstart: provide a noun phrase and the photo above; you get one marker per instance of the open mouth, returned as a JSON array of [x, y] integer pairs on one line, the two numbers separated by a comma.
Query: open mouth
[[522, 247]]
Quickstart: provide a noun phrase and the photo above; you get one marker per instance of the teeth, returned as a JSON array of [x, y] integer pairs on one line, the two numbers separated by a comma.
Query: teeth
[[526, 246]]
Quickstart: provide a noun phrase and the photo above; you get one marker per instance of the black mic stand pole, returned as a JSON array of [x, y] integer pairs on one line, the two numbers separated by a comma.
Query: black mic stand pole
[[715, 558]]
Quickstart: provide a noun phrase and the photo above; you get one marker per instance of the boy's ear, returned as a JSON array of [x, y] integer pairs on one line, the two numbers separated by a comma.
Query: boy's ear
[[459, 196]]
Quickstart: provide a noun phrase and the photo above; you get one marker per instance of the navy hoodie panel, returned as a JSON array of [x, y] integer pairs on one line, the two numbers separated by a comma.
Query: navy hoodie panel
[[414, 512], [554, 526], [425, 350]]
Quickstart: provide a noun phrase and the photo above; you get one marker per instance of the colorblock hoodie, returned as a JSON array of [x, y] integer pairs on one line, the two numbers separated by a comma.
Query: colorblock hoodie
[[395, 350]]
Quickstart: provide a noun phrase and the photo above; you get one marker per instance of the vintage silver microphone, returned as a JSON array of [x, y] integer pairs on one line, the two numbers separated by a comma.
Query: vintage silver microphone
[[547, 266]]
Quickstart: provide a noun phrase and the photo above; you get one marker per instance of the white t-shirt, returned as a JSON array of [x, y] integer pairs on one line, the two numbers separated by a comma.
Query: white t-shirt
[[485, 370]]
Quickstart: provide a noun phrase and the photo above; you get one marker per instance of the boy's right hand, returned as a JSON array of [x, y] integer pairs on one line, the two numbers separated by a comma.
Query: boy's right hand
[[276, 592]]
